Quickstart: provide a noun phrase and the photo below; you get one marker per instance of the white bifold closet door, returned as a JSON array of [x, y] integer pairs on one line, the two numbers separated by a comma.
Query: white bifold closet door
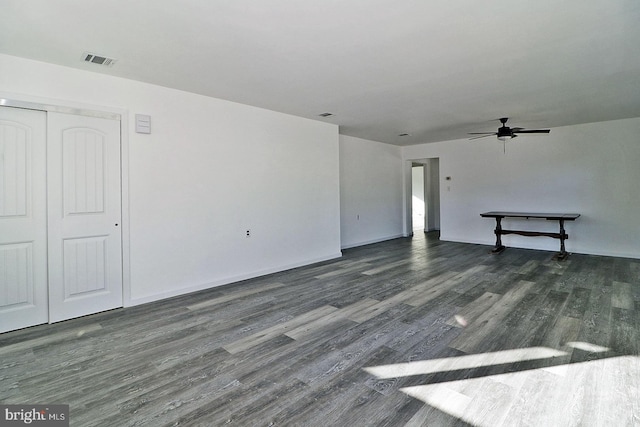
[[60, 213], [85, 244], [23, 218]]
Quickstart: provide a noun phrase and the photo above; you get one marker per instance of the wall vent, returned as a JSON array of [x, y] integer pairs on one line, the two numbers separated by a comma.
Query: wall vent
[[98, 59]]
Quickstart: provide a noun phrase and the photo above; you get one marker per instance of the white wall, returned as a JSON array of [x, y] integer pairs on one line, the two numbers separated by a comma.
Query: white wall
[[590, 169], [209, 170], [371, 196]]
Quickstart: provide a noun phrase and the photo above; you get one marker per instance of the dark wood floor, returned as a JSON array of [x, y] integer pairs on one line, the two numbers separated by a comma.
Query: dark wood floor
[[412, 332]]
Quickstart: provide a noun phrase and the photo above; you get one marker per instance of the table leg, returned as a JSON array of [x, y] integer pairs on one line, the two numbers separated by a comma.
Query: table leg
[[562, 236], [562, 255], [499, 248]]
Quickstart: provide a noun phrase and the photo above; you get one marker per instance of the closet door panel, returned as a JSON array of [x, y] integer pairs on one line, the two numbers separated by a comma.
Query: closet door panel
[[23, 221], [85, 244]]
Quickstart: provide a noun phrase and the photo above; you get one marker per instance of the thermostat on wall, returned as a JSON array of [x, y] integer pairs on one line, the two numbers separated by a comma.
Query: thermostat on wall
[[143, 123]]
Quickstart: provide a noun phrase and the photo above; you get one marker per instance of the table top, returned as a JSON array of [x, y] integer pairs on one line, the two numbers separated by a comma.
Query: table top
[[556, 216]]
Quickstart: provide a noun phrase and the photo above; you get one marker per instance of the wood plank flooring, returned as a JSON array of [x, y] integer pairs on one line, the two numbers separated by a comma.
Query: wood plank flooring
[[409, 332]]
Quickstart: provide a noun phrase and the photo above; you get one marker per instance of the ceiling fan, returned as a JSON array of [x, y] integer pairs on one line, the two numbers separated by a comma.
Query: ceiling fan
[[505, 133]]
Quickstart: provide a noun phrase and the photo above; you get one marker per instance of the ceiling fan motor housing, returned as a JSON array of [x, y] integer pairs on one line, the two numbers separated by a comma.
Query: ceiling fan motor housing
[[504, 131]]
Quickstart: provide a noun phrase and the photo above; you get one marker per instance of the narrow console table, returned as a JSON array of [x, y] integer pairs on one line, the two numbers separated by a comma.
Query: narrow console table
[[561, 218]]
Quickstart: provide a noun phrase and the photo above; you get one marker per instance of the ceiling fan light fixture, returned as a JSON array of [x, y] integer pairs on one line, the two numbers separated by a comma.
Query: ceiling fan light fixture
[[504, 138]]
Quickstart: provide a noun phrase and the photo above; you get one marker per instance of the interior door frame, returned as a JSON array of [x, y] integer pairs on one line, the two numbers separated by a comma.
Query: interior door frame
[[408, 193], [70, 107]]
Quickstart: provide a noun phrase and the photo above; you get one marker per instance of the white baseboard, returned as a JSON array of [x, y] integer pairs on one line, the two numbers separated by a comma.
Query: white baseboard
[[225, 281], [546, 248], [369, 242]]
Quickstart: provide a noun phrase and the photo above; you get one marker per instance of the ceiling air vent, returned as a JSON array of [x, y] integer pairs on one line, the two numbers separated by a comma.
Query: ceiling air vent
[[98, 59]]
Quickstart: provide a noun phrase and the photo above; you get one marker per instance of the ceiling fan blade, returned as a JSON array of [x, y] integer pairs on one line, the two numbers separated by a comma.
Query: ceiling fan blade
[[482, 133], [534, 131], [482, 136]]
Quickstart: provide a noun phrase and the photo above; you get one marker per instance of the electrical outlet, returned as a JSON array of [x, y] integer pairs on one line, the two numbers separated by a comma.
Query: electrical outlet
[[248, 233]]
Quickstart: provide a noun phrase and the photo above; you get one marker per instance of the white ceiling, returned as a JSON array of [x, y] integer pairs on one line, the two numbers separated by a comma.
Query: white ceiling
[[436, 69]]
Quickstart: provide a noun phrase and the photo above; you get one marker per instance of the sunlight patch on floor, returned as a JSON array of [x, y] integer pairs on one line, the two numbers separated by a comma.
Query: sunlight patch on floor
[[602, 392], [422, 367], [585, 346]]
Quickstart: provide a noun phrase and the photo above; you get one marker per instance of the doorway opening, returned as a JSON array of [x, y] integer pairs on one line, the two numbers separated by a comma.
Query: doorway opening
[[417, 198], [425, 195]]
